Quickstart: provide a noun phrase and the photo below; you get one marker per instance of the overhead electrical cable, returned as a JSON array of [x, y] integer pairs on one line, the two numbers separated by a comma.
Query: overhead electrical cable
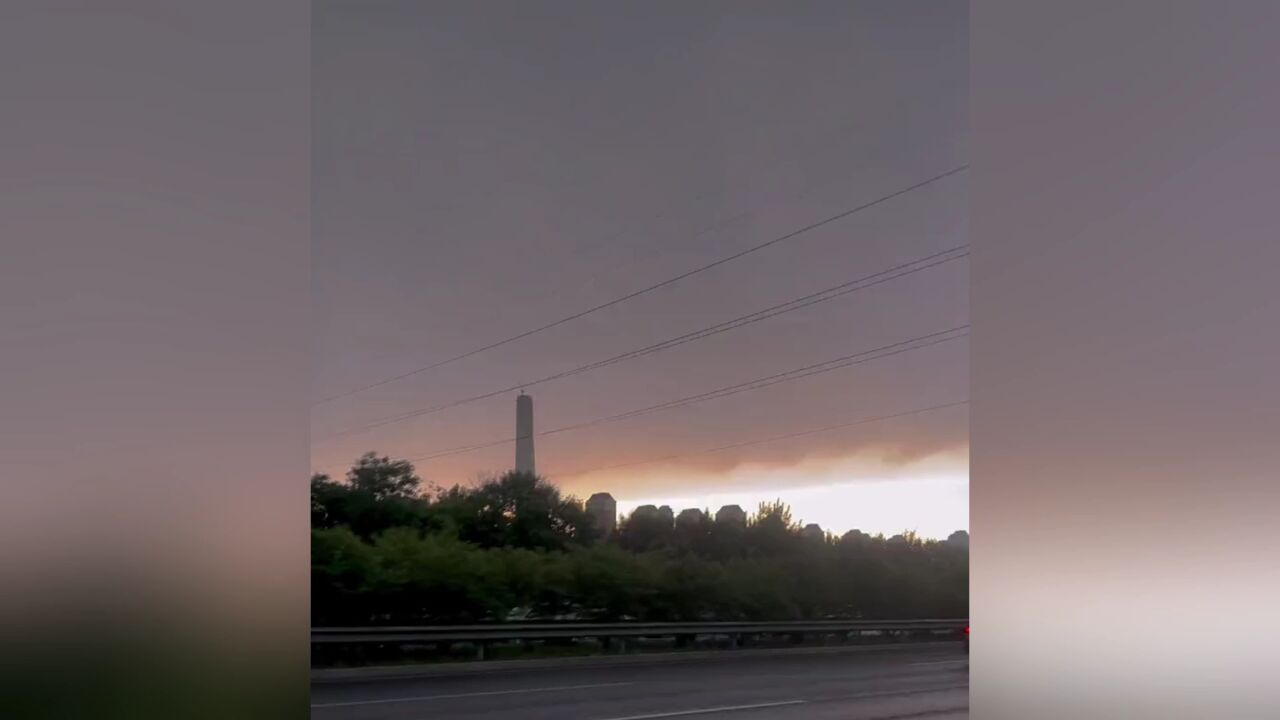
[[831, 293], [827, 366], [656, 286]]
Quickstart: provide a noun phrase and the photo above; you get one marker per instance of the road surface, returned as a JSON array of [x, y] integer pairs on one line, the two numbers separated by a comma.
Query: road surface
[[899, 684]]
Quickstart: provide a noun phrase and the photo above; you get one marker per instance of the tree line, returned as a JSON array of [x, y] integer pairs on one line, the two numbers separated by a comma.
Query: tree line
[[387, 550]]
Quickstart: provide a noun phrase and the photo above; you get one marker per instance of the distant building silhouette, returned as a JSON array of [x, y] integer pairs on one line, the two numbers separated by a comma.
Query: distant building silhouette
[[688, 517], [524, 434], [731, 515], [667, 514], [645, 528], [855, 536], [604, 510], [644, 512]]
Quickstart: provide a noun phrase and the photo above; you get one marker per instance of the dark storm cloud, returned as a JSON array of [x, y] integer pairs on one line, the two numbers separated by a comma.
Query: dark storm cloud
[[485, 168]]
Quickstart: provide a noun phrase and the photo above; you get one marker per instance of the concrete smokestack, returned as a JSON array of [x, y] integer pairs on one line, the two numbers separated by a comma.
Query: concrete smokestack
[[524, 434]]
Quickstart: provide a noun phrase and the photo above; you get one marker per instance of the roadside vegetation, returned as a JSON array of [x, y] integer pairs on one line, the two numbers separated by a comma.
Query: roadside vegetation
[[385, 549]]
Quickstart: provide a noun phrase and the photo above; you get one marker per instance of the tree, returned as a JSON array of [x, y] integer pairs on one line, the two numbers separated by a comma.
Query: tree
[[437, 579], [612, 584], [342, 573], [517, 510], [383, 477], [775, 515], [323, 490], [772, 531], [378, 495]]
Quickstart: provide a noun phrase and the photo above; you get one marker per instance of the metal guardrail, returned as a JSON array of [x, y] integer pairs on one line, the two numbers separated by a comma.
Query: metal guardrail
[[564, 631]]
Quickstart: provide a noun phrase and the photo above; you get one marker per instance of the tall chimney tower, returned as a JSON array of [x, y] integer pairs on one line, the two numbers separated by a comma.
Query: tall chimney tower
[[524, 433]]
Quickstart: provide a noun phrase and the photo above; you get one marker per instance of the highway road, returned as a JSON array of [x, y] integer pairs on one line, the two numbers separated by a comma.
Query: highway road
[[899, 684]]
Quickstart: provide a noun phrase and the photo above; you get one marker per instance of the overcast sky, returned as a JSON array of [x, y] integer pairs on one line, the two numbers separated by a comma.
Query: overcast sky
[[484, 168]]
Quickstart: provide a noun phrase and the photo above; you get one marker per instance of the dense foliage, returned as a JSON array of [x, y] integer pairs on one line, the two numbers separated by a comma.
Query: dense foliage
[[383, 551]]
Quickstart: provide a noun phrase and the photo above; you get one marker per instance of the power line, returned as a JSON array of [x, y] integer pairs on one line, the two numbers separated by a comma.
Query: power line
[[647, 218], [916, 343], [774, 438], [797, 374], [831, 293], [655, 286]]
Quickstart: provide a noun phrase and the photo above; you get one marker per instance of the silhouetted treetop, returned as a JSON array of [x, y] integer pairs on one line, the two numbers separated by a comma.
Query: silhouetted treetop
[[383, 477]]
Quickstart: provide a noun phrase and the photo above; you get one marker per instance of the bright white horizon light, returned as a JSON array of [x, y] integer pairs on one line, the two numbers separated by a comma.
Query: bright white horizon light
[[933, 506]]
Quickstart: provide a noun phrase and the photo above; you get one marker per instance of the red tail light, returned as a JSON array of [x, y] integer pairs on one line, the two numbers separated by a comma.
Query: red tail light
[[966, 631]]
